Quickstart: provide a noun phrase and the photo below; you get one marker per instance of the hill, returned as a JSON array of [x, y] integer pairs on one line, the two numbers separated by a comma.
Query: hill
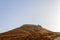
[[29, 32]]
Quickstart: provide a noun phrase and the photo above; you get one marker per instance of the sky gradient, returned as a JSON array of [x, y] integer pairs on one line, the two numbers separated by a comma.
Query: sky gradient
[[14, 13]]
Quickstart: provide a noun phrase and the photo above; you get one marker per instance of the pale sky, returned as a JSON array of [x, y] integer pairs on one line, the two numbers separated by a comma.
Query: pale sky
[[14, 13]]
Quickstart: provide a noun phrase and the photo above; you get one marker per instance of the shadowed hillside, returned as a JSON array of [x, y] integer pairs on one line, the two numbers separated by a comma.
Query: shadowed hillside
[[29, 32]]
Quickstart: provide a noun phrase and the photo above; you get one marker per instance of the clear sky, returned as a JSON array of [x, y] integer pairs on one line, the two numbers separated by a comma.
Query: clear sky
[[14, 13]]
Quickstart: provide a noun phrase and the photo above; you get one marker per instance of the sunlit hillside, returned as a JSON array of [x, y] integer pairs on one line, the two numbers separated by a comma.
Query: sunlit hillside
[[29, 32]]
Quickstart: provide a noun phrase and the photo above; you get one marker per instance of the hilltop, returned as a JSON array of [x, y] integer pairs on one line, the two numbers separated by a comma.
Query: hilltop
[[29, 32]]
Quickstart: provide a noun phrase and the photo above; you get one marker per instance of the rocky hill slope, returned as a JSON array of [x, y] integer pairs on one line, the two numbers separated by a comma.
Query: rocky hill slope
[[29, 32]]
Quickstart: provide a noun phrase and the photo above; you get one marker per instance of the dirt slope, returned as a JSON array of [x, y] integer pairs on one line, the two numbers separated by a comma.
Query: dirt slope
[[29, 32]]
